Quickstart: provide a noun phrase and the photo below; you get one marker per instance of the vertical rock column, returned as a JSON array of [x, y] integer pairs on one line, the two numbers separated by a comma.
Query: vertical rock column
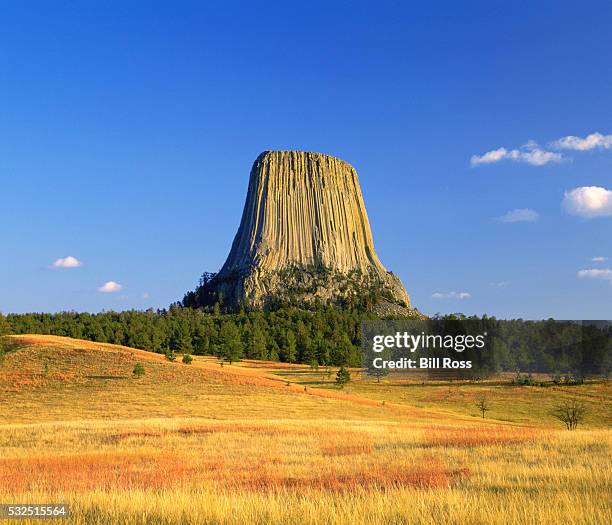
[[302, 209]]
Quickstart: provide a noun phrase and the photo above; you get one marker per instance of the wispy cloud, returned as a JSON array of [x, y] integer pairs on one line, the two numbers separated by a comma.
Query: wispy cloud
[[490, 157], [451, 295], [520, 215], [146, 295], [109, 287], [500, 284], [530, 153], [67, 262], [599, 259], [596, 273], [592, 141], [588, 201]]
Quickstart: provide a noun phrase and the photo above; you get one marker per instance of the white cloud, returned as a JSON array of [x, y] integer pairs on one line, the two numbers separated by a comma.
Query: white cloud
[[500, 284], [605, 274], [530, 153], [146, 295], [451, 295], [599, 259], [592, 141], [588, 201], [538, 157], [109, 287], [520, 215], [67, 262], [489, 157]]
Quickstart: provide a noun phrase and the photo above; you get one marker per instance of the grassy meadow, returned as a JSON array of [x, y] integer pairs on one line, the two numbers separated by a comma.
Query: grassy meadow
[[262, 443]]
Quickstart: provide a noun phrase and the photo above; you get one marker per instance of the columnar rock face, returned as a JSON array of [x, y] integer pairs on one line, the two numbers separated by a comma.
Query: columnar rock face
[[303, 210]]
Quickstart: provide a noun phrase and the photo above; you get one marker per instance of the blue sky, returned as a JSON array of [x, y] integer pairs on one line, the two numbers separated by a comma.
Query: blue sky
[[128, 129]]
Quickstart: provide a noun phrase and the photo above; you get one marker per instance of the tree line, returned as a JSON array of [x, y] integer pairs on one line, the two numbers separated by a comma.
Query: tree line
[[324, 335]]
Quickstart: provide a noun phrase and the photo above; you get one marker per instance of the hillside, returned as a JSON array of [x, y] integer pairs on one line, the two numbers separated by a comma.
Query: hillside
[[66, 369], [70, 377]]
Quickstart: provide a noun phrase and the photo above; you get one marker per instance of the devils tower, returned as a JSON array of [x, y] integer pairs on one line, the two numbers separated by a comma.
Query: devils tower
[[304, 235]]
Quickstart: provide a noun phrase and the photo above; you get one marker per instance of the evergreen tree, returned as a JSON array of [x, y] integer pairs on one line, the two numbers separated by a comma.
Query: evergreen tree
[[288, 351], [258, 342], [184, 345], [305, 350], [343, 352], [321, 348], [4, 326], [273, 351], [231, 348], [378, 373], [246, 332], [343, 377], [181, 340], [138, 371], [203, 333]]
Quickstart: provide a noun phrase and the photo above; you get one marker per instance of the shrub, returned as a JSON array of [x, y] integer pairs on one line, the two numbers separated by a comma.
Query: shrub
[[573, 379], [571, 413], [343, 377], [569, 378], [139, 370], [187, 359], [170, 356], [523, 379]]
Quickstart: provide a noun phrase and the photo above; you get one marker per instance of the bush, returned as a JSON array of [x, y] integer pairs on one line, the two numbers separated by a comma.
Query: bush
[[571, 413], [139, 370], [573, 379], [569, 378], [523, 379], [187, 359], [343, 377], [170, 355]]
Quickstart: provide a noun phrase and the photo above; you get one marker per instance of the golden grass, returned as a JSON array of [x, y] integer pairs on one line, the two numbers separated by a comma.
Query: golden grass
[[158, 473], [202, 444], [445, 435], [526, 405]]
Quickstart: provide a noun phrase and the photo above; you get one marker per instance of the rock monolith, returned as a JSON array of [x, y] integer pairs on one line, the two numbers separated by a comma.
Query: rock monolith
[[305, 235]]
